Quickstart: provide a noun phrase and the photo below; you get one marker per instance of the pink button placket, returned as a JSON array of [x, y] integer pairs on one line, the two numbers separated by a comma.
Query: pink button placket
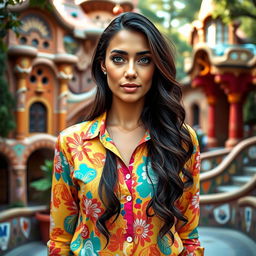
[[128, 205]]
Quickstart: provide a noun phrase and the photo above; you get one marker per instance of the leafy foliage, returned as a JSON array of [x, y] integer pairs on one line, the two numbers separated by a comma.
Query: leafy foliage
[[42, 4], [7, 102], [169, 16], [9, 20], [244, 10], [44, 184]]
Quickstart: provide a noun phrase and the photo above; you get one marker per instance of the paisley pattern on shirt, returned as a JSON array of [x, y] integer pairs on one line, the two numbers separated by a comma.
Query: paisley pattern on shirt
[[75, 207]]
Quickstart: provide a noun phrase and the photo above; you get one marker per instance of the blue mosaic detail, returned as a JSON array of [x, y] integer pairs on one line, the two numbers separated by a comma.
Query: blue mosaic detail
[[19, 149], [220, 49]]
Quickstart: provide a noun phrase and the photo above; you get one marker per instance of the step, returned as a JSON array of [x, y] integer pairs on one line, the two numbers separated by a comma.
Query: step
[[224, 241], [250, 170], [241, 180], [227, 188], [38, 249]]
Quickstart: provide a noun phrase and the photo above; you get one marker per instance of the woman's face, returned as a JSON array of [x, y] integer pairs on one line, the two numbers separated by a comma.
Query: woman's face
[[129, 66]]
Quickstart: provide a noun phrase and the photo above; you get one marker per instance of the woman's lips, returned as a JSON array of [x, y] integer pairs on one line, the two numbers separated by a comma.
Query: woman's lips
[[130, 87]]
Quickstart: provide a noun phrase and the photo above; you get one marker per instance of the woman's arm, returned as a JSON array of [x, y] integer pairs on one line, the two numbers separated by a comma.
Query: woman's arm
[[189, 206], [64, 204]]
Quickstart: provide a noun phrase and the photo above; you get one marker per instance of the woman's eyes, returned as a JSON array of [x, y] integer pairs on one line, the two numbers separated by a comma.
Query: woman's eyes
[[145, 60], [119, 59]]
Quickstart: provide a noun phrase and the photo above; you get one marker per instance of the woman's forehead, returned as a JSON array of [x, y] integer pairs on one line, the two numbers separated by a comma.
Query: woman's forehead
[[128, 41]]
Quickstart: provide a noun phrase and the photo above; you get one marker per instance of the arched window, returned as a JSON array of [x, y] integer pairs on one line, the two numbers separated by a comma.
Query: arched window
[[225, 34], [219, 35], [37, 118], [196, 114], [216, 32], [210, 33], [221, 32]]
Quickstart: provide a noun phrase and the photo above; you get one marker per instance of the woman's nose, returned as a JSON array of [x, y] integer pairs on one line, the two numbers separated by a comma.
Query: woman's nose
[[131, 71]]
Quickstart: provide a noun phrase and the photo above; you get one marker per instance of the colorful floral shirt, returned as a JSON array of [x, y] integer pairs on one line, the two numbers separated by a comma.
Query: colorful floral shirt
[[75, 206]]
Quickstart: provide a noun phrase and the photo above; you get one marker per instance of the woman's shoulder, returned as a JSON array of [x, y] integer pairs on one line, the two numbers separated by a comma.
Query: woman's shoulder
[[85, 130], [192, 133], [76, 128], [77, 131]]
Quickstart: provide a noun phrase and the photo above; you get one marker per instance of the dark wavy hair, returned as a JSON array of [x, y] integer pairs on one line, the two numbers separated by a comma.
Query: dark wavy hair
[[170, 146]]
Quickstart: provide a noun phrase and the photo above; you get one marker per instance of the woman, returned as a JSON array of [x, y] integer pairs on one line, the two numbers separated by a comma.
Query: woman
[[126, 181]]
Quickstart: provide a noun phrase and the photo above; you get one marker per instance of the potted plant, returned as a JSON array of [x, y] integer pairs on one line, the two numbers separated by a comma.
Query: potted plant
[[43, 186]]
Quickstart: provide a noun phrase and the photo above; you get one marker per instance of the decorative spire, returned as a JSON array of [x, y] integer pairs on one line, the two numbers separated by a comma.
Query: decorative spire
[[118, 9]]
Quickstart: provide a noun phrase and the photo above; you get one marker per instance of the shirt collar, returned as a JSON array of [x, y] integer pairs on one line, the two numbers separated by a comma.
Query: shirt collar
[[98, 126], [95, 127]]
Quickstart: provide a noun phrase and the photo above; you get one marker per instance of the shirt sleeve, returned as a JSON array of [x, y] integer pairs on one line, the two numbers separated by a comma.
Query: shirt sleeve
[[189, 206], [64, 204]]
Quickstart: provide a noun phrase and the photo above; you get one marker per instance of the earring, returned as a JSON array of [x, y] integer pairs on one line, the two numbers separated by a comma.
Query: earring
[[104, 72]]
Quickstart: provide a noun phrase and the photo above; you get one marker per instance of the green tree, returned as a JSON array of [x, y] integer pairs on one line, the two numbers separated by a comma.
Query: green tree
[[169, 16], [244, 11], [7, 122], [8, 21]]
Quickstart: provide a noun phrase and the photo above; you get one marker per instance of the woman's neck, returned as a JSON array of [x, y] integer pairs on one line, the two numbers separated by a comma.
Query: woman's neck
[[125, 115]]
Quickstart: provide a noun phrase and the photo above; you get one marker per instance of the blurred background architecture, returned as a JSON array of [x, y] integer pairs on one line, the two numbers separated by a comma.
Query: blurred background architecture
[[48, 75]]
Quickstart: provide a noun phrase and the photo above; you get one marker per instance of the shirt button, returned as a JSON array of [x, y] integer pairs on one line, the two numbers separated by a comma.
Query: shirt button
[[129, 198], [128, 176], [129, 239]]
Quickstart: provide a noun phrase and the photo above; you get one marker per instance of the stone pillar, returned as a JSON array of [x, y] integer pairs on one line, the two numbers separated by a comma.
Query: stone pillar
[[235, 87], [18, 192], [23, 67], [65, 73]]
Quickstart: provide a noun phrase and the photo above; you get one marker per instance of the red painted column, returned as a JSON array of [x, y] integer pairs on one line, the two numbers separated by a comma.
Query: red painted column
[[235, 87], [208, 85], [211, 133], [235, 120]]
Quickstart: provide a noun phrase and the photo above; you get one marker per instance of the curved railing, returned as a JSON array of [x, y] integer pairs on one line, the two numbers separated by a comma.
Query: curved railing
[[19, 226], [232, 164], [225, 197], [20, 211], [211, 159], [235, 210], [247, 201]]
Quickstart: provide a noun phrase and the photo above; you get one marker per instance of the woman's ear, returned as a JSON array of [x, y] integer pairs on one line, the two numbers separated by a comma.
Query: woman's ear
[[103, 67]]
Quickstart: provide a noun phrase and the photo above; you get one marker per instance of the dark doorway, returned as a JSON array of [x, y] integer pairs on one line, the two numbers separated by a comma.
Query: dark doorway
[[34, 172], [4, 180], [37, 118], [196, 114]]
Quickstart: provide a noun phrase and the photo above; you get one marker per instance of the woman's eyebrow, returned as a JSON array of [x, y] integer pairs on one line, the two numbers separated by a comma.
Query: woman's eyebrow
[[126, 53]]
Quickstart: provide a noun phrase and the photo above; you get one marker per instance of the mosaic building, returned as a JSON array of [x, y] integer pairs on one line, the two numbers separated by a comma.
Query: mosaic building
[[49, 74], [222, 70]]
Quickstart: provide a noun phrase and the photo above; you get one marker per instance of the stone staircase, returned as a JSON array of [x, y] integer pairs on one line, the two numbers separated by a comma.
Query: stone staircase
[[238, 181]]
